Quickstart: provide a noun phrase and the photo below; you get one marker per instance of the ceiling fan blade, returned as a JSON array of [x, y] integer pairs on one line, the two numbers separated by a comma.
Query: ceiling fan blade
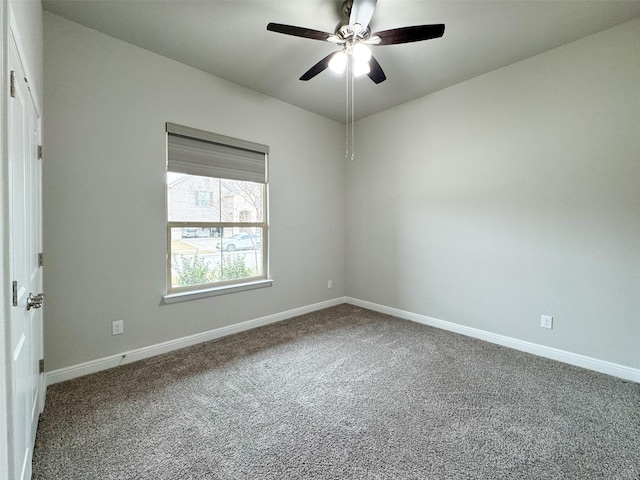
[[317, 68], [361, 12], [376, 74], [416, 33], [298, 31]]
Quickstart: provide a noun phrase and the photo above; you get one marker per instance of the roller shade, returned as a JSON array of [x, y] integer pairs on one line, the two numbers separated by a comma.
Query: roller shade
[[197, 152]]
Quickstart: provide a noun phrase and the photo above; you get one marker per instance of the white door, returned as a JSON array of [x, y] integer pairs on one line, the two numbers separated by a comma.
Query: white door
[[25, 324]]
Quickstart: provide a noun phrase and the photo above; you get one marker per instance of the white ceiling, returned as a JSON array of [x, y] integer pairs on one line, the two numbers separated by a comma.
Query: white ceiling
[[228, 38]]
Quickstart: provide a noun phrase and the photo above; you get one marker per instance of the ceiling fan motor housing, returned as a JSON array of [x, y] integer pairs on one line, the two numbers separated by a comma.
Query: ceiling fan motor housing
[[353, 33]]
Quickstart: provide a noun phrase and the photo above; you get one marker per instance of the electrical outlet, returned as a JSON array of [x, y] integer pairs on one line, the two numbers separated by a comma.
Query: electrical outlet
[[330, 284], [117, 327], [546, 321]]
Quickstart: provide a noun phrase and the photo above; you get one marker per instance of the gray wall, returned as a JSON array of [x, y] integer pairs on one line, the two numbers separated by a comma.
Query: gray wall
[[487, 204], [106, 104], [508, 196]]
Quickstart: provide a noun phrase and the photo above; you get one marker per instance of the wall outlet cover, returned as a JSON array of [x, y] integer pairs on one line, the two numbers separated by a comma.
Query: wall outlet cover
[[117, 327]]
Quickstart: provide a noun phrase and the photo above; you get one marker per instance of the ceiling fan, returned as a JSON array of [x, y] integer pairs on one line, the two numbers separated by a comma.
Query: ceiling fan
[[353, 38]]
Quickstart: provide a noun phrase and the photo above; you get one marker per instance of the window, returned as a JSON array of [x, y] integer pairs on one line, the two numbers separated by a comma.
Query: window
[[204, 199], [218, 241]]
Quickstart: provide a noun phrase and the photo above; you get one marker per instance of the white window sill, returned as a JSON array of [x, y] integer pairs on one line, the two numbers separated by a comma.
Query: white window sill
[[212, 292]]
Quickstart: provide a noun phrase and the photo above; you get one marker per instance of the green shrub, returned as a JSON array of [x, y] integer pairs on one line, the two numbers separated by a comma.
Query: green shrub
[[192, 270], [233, 267]]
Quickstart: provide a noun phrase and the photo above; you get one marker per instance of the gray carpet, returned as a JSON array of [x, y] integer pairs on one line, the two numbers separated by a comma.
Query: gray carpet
[[343, 393]]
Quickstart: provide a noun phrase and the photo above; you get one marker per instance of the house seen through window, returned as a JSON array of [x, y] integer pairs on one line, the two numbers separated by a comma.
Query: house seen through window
[[216, 223]]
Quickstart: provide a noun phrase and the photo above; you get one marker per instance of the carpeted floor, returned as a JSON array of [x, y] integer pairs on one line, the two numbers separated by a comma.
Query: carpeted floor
[[343, 393]]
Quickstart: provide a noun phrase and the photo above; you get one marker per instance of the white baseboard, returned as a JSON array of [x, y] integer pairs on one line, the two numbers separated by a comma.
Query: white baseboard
[[93, 366], [621, 371], [67, 373]]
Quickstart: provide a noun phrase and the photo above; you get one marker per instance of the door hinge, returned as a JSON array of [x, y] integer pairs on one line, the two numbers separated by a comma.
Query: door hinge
[[14, 287], [41, 366], [13, 84], [40, 152], [40, 259]]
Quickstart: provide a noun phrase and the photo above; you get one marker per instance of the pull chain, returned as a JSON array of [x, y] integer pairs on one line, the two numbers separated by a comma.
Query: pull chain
[[346, 113], [353, 110], [350, 104]]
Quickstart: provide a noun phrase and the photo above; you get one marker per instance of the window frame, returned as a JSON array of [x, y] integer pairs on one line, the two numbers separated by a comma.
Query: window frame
[[181, 293]]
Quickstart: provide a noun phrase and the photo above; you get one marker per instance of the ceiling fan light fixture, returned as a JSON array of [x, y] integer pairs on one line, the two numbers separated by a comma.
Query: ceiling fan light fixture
[[360, 68], [353, 36], [338, 62], [361, 53]]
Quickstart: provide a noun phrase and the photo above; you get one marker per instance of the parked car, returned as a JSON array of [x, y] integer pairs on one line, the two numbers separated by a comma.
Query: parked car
[[239, 241], [205, 232], [189, 232]]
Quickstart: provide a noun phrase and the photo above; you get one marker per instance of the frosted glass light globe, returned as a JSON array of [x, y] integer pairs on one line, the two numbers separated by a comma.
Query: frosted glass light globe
[[361, 53], [338, 62], [360, 68]]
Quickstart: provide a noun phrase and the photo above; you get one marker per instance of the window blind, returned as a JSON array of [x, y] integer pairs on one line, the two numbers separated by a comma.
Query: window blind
[[197, 152]]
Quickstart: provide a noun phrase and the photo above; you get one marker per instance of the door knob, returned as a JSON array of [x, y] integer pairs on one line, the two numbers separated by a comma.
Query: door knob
[[35, 301]]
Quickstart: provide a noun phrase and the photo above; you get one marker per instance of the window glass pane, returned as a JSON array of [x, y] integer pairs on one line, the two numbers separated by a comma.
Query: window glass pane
[[202, 256], [241, 250], [204, 199], [194, 257], [242, 201], [192, 199]]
